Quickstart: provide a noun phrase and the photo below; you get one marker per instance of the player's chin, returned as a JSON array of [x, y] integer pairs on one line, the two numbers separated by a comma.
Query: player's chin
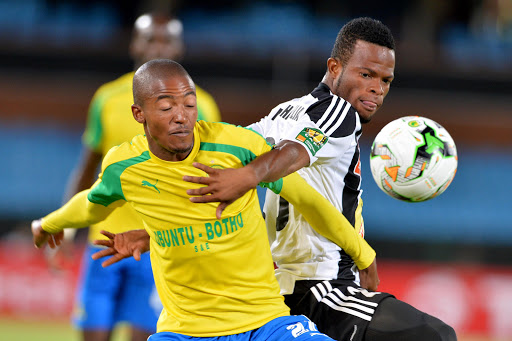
[[180, 148], [365, 117]]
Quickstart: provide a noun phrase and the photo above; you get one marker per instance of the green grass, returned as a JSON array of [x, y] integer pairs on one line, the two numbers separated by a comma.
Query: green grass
[[21, 330]]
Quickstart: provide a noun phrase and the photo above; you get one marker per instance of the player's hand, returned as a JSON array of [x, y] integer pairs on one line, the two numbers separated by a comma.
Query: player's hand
[[41, 237], [222, 185], [122, 245], [369, 277]]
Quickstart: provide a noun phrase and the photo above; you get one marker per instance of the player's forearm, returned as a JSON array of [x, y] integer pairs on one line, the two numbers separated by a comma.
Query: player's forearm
[[76, 213], [326, 219], [286, 158]]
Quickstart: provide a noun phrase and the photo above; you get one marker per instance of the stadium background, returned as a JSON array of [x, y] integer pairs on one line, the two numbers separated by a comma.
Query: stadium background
[[449, 256]]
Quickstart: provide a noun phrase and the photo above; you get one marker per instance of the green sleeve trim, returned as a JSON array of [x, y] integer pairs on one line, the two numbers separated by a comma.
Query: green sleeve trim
[[109, 189], [94, 130], [245, 156], [276, 186]]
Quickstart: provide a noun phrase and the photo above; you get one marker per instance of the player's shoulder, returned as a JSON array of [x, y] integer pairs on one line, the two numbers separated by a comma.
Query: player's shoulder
[[334, 115], [226, 133], [133, 151]]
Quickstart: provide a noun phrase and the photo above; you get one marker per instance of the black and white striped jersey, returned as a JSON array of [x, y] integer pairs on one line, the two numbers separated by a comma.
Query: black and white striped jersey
[[329, 128]]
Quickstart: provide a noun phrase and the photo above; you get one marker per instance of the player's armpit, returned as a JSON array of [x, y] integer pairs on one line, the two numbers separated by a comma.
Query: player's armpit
[[326, 219]]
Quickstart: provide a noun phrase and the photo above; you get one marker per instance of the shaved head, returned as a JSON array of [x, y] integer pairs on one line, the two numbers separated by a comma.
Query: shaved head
[[155, 36], [153, 71]]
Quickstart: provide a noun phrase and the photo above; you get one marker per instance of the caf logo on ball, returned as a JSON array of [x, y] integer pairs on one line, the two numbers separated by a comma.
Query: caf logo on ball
[[413, 159]]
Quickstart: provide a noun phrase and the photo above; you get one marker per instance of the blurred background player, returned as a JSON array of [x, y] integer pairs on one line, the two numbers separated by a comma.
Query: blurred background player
[[124, 292]]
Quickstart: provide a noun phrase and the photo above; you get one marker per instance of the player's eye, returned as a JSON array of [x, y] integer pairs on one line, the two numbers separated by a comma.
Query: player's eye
[[365, 75]]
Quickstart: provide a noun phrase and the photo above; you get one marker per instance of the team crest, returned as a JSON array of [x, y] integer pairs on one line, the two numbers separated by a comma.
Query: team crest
[[312, 138]]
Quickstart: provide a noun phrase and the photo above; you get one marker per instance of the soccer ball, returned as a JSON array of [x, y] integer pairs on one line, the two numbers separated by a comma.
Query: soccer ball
[[413, 159]]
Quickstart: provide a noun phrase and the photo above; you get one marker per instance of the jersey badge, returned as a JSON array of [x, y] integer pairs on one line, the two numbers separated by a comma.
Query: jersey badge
[[150, 185], [312, 138]]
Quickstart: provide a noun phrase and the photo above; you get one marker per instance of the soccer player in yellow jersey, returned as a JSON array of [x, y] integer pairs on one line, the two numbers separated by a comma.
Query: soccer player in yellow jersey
[[215, 277], [124, 292]]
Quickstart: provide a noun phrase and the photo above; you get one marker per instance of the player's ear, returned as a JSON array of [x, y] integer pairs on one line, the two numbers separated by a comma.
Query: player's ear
[[138, 113], [334, 67]]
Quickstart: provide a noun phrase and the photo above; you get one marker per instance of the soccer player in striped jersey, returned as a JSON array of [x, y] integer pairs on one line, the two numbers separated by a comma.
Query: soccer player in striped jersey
[[316, 276], [215, 277], [130, 295]]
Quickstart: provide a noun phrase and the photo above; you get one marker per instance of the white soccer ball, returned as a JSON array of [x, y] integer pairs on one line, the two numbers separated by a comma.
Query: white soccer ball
[[413, 159]]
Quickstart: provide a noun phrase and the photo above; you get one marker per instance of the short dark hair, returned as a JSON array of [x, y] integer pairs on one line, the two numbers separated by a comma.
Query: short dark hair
[[365, 29]]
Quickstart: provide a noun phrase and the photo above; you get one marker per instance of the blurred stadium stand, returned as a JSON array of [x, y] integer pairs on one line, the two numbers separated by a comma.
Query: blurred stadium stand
[[454, 65]]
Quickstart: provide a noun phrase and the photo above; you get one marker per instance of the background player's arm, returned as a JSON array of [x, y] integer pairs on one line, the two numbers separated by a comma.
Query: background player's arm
[[227, 185]]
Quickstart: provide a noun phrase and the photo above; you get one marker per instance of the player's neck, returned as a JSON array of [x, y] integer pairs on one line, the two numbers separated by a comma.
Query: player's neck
[[327, 81]]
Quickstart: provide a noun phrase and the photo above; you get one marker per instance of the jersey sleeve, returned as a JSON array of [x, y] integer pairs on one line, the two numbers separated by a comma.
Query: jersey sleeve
[[76, 213], [309, 136], [326, 219], [93, 134], [304, 132]]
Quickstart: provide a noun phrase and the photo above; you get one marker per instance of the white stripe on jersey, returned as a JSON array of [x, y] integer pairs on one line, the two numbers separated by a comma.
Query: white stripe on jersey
[[341, 302], [316, 293], [326, 288], [340, 119], [347, 310], [327, 112], [334, 298]]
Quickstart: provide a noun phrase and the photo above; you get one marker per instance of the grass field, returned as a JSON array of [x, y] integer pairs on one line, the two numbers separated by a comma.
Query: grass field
[[20, 330]]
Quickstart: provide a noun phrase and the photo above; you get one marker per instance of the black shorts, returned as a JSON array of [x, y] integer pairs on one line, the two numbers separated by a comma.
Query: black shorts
[[340, 309]]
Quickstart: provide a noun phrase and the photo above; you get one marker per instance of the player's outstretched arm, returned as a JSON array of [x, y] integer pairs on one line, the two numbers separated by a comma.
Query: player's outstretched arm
[[76, 213], [326, 219], [122, 245], [227, 185], [81, 178], [41, 237]]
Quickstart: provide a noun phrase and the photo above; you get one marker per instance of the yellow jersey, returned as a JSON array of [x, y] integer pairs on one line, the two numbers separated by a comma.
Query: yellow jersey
[[214, 276]]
